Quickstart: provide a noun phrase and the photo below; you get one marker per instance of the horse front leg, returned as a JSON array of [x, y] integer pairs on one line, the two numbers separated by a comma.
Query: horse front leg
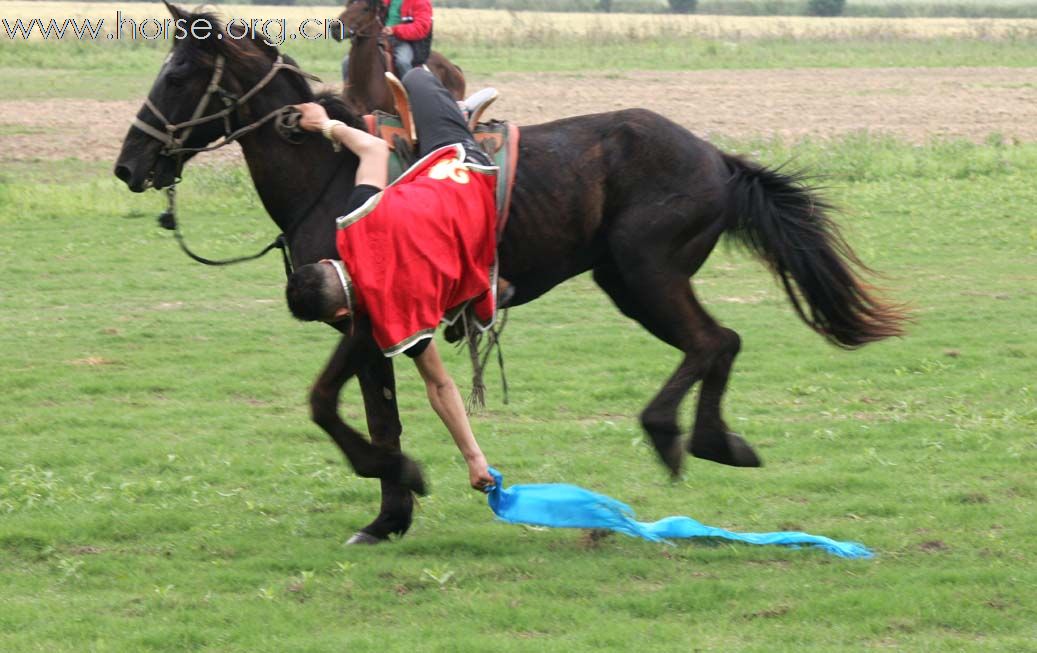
[[378, 385], [351, 355]]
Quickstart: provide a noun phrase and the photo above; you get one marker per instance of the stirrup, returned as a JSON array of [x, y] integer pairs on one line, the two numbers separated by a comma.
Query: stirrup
[[505, 295], [399, 96], [477, 103]]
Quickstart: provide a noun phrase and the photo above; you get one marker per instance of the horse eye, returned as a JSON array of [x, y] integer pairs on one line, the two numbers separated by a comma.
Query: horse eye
[[177, 73]]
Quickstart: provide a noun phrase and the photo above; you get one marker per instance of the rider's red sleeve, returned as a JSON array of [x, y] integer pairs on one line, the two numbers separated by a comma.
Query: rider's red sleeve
[[419, 28]]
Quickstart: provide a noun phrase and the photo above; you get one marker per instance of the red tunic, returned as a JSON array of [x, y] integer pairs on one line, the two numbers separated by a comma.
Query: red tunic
[[423, 247]]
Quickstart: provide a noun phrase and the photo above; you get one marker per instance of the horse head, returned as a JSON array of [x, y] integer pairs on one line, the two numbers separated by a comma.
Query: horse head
[[361, 19], [203, 92]]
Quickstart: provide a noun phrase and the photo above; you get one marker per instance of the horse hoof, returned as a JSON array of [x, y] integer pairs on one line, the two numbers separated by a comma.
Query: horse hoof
[[731, 449], [360, 537], [667, 444], [742, 454], [673, 458], [412, 478]]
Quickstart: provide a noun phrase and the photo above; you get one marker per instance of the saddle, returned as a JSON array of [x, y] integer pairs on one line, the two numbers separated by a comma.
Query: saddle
[[498, 139]]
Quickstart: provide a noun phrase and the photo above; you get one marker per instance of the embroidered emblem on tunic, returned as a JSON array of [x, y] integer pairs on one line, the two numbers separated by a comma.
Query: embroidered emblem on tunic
[[451, 169]]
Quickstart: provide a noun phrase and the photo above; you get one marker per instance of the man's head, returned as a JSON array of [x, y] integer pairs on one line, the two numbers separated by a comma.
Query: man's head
[[318, 291]]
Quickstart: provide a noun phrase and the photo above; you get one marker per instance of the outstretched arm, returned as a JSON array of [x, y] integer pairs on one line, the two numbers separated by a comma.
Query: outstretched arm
[[446, 401], [372, 151]]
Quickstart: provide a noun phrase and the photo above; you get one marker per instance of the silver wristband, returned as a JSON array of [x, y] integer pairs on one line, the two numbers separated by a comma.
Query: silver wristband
[[327, 128]]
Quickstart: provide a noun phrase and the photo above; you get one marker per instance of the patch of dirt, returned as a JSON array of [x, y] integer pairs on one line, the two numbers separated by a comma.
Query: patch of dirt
[[933, 546], [770, 613], [915, 104], [592, 538], [93, 361], [85, 550], [88, 130], [911, 103]]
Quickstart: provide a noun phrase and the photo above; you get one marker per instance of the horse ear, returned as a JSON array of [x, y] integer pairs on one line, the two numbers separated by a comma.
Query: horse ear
[[176, 12], [270, 50]]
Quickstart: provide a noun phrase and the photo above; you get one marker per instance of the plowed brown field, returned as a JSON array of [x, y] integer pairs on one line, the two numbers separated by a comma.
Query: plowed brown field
[[912, 104]]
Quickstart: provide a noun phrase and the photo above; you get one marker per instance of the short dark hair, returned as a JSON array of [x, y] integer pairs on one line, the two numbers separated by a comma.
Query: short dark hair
[[310, 296]]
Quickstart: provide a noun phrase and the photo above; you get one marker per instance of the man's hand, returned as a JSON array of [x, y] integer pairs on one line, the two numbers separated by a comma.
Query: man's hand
[[387, 31], [313, 116], [479, 473]]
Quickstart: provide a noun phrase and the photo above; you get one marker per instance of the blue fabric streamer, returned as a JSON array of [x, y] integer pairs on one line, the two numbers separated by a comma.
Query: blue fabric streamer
[[560, 505]]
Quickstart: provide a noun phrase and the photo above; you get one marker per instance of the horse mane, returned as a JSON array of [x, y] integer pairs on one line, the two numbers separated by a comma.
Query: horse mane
[[247, 50], [338, 109]]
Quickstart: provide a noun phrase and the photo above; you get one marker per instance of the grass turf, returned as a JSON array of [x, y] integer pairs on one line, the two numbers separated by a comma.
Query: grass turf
[[162, 488]]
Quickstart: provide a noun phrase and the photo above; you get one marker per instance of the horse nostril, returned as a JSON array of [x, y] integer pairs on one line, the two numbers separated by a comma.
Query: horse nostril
[[123, 173]]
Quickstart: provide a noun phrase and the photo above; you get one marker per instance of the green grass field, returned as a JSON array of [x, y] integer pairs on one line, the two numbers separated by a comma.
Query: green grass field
[[162, 488], [106, 72], [521, 41]]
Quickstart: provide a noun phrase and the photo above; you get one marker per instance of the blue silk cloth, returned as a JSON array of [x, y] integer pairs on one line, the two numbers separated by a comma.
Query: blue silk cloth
[[560, 505]]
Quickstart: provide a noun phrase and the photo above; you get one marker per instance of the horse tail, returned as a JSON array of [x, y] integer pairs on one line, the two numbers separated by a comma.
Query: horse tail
[[780, 218]]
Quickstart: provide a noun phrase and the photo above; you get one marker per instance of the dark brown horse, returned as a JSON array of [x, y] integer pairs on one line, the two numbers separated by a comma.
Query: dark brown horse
[[366, 89], [633, 197]]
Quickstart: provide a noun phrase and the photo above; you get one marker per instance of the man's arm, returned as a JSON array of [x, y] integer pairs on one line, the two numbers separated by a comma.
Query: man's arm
[[446, 401], [372, 151]]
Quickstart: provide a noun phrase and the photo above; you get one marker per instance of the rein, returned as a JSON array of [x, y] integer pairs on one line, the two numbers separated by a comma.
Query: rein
[[173, 146], [167, 220]]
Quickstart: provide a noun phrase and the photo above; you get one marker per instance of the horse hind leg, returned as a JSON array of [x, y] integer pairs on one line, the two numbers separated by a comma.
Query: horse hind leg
[[711, 439], [665, 305], [709, 352], [660, 418]]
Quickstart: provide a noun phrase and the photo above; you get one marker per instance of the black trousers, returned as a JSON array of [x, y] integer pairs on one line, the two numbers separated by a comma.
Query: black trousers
[[438, 121], [437, 118]]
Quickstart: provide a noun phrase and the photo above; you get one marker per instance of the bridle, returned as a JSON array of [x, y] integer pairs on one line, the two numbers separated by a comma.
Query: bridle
[[377, 24], [173, 146]]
